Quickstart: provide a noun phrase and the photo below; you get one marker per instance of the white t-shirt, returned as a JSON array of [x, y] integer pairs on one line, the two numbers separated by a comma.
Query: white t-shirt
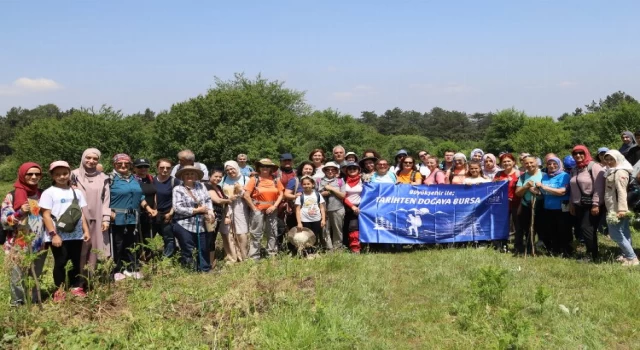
[[58, 200], [353, 194], [310, 209], [476, 180], [424, 170]]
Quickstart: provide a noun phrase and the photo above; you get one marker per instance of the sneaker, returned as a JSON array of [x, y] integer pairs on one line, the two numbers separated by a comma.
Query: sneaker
[[127, 273], [620, 258], [631, 262], [58, 296], [119, 277], [79, 292], [137, 275]]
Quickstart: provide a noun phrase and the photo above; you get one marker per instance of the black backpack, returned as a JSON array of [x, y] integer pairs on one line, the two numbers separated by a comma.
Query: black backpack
[[633, 194]]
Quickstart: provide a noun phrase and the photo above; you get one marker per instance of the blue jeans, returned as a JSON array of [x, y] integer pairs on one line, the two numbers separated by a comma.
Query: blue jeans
[[189, 242], [166, 231], [621, 234]]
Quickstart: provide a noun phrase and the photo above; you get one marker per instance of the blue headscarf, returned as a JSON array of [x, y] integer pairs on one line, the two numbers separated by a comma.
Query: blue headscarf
[[560, 166]]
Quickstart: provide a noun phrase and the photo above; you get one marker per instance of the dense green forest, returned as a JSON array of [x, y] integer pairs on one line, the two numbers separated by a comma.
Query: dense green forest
[[262, 118]]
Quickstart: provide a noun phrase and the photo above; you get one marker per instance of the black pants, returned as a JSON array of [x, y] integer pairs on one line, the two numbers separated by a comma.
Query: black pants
[[557, 235], [68, 251], [123, 240], [523, 241], [587, 227]]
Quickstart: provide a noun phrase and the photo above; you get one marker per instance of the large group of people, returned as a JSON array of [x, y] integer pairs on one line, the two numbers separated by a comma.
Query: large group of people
[[86, 215]]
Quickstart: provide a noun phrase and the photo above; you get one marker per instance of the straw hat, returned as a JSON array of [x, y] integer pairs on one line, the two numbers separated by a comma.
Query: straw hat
[[188, 168], [266, 162], [301, 239]]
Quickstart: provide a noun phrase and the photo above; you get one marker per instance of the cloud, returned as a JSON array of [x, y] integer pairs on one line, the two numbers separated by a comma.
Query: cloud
[[432, 89], [567, 84], [360, 90], [22, 86]]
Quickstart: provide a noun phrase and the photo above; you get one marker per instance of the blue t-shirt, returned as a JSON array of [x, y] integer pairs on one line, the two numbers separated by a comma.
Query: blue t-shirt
[[126, 196], [535, 178], [291, 185], [247, 170], [559, 181], [164, 194]]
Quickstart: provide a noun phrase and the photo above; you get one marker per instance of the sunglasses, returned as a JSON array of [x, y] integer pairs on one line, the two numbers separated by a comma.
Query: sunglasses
[[123, 164], [578, 153], [422, 155], [330, 170], [142, 166], [407, 162], [383, 164], [164, 168], [33, 174]]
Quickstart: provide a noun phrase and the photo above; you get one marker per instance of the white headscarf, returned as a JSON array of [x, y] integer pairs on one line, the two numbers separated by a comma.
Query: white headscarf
[[233, 164], [460, 156], [621, 163]]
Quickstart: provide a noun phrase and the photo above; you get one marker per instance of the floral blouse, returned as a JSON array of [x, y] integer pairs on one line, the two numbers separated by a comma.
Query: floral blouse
[[21, 224]]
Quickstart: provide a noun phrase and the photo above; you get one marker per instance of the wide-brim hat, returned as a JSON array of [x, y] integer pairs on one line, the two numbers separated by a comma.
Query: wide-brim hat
[[331, 165], [361, 162], [266, 162], [301, 239], [188, 168]]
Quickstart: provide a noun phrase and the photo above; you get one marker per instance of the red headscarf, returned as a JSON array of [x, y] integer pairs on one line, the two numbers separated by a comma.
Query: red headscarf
[[587, 156], [23, 189]]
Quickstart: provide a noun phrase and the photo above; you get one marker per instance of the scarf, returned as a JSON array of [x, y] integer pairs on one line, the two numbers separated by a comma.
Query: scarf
[[233, 164], [83, 172], [560, 167], [587, 156], [22, 189], [477, 150], [492, 170], [353, 180], [626, 147], [621, 163]]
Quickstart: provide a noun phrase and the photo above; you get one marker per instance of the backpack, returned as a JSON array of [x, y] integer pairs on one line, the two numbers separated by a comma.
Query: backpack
[[317, 198], [633, 194], [69, 219], [413, 175], [255, 187], [339, 180]]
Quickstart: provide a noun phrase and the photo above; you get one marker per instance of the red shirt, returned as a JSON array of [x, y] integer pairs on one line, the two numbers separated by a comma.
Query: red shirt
[[513, 180]]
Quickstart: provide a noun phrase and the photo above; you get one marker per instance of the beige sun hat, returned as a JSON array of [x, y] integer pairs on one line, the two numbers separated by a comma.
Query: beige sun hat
[[301, 239], [188, 168]]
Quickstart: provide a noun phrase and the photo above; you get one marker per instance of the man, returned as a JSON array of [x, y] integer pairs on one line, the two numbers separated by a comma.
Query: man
[[424, 170], [339, 155], [286, 211], [245, 170], [447, 163], [186, 157]]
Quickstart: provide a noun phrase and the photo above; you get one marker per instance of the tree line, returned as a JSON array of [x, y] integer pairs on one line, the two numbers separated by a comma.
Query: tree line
[[263, 118]]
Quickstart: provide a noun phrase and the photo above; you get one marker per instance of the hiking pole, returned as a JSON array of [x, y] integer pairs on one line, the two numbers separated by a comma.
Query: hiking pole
[[198, 239], [531, 227]]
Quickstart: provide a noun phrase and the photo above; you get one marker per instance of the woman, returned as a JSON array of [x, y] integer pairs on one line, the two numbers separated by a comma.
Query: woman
[[475, 174], [331, 187], [629, 148], [20, 218], [436, 176], [600, 158], [67, 226], [458, 172], [126, 201], [397, 165], [489, 167], [511, 174], [141, 174], [351, 157], [353, 191], [221, 210], [233, 186], [477, 154], [556, 233], [164, 184], [615, 199], [587, 191], [368, 166], [192, 206], [95, 187], [293, 188], [409, 173], [383, 174], [317, 157], [526, 189], [263, 194], [370, 152]]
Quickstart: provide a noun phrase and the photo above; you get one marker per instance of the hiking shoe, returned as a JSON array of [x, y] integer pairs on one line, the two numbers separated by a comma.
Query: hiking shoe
[[631, 262], [127, 273], [58, 296], [137, 275], [620, 258], [119, 277], [79, 292]]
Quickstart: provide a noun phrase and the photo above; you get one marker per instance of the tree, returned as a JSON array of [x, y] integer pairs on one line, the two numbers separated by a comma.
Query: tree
[[504, 125], [539, 136]]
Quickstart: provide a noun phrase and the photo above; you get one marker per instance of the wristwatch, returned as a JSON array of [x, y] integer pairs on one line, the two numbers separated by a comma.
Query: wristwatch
[[52, 234]]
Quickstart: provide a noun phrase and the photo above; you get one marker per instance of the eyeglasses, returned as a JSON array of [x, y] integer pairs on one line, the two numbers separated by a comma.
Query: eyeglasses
[[33, 174], [578, 153], [123, 164], [459, 161], [383, 164], [407, 162], [422, 155], [330, 170], [164, 168]]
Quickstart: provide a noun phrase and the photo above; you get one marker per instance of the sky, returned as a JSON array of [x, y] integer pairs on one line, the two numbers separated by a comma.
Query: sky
[[543, 57]]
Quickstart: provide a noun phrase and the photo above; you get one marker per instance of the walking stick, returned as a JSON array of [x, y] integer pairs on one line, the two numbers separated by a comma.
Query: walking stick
[[531, 227], [198, 239]]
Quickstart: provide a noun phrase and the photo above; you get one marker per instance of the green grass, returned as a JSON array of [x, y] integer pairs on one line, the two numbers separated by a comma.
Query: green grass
[[427, 298]]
